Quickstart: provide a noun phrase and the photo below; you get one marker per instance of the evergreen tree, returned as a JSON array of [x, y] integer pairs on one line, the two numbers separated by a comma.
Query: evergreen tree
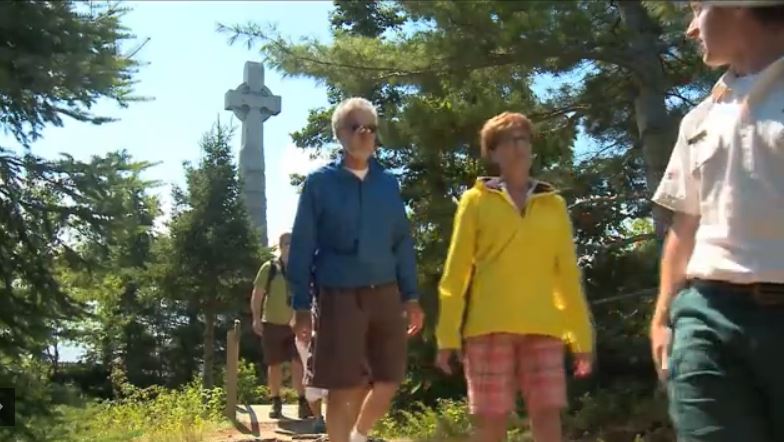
[[214, 251], [55, 61]]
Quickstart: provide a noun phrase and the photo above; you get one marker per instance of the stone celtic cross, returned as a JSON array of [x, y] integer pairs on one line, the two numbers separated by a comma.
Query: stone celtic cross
[[253, 103]]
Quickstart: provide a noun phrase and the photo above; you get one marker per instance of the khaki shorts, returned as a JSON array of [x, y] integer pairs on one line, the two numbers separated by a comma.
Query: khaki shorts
[[277, 343], [360, 337]]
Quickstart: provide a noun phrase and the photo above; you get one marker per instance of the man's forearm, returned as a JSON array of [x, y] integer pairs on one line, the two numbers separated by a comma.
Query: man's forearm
[[255, 304], [678, 248]]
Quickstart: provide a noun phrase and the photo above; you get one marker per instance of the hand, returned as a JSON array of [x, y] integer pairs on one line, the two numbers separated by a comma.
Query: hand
[[303, 325], [583, 365], [257, 327], [416, 317], [660, 343], [444, 359]]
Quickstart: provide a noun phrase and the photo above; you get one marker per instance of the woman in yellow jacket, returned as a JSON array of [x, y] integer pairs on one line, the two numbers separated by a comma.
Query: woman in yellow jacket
[[511, 293]]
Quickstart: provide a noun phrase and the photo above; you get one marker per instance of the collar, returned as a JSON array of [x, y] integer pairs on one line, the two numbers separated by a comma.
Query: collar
[[340, 163], [765, 79], [535, 187]]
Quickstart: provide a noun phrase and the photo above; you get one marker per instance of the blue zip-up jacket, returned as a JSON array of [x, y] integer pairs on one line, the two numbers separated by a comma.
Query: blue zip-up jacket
[[353, 232]]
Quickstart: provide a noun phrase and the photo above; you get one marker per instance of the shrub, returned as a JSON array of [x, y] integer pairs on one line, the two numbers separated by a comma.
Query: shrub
[[157, 414], [449, 420]]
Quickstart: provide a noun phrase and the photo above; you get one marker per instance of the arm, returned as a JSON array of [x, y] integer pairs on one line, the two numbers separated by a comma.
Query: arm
[[405, 257], [457, 274], [678, 191], [678, 247], [257, 297], [256, 301], [569, 289], [303, 248]]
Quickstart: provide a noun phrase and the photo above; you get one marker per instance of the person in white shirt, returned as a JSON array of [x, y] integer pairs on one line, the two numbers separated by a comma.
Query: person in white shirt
[[718, 326], [315, 396]]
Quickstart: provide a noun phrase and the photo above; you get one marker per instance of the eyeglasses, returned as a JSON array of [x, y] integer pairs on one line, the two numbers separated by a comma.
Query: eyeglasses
[[356, 127], [515, 140]]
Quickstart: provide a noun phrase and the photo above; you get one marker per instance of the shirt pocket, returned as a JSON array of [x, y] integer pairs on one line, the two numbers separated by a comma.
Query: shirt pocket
[[704, 147]]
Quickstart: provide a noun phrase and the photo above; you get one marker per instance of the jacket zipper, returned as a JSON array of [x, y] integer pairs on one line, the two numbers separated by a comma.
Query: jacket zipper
[[359, 215]]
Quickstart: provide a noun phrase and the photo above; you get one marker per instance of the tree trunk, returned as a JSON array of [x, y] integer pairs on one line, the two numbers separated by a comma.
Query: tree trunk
[[209, 347], [657, 129]]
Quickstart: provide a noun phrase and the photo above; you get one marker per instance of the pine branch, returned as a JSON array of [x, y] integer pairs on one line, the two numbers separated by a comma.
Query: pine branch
[[608, 199]]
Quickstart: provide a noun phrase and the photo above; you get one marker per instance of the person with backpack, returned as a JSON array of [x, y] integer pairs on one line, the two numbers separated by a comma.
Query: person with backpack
[[272, 321]]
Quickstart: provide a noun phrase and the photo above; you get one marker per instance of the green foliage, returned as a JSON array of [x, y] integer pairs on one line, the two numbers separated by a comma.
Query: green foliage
[[57, 59], [248, 389], [448, 420], [54, 61], [150, 414], [213, 253], [47, 209], [124, 316], [90, 378], [621, 413], [159, 413]]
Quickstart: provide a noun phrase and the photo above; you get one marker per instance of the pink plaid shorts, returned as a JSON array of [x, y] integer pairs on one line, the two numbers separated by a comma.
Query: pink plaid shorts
[[499, 364]]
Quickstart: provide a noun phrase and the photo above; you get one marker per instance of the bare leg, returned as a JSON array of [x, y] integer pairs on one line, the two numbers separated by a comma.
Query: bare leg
[[274, 379], [375, 406], [297, 375], [340, 407], [315, 408], [546, 425], [357, 403], [490, 428]]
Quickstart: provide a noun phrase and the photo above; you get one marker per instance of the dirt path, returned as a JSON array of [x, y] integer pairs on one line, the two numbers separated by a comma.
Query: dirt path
[[254, 425]]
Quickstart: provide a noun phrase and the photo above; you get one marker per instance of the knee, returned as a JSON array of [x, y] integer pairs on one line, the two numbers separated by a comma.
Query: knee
[[385, 387], [545, 416], [490, 427]]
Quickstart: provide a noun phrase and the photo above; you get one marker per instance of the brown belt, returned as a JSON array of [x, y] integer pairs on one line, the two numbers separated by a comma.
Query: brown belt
[[763, 293]]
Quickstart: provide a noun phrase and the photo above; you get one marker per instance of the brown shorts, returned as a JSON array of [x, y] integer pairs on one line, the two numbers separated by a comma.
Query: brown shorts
[[277, 343], [360, 337]]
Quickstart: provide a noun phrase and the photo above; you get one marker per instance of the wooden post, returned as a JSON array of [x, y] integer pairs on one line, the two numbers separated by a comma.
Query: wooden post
[[232, 357]]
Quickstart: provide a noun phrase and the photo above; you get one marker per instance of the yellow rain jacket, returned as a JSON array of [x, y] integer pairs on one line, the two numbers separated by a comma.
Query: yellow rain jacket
[[520, 269]]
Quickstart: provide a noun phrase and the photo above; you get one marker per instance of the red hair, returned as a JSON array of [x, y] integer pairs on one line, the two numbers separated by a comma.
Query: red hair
[[500, 125]]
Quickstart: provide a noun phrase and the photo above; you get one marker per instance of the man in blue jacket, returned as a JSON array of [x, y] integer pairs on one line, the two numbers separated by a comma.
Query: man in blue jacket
[[351, 227]]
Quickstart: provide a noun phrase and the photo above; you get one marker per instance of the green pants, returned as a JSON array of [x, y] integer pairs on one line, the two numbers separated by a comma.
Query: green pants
[[725, 371]]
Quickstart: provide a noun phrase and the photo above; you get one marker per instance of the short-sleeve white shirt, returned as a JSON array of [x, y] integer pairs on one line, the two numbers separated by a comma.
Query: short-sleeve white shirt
[[727, 167]]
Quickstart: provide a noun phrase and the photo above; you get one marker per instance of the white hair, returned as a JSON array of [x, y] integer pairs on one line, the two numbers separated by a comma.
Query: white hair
[[346, 107]]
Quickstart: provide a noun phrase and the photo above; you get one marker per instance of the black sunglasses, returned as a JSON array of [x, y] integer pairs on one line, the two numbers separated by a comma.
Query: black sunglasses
[[372, 128]]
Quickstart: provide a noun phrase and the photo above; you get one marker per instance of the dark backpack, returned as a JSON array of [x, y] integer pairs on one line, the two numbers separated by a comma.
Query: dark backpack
[[273, 272]]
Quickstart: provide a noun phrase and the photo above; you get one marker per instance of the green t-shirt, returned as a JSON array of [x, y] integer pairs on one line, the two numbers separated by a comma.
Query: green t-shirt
[[276, 308]]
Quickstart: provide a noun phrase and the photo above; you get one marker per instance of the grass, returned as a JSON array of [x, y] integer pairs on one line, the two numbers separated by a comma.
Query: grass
[[143, 415], [154, 414], [623, 413]]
